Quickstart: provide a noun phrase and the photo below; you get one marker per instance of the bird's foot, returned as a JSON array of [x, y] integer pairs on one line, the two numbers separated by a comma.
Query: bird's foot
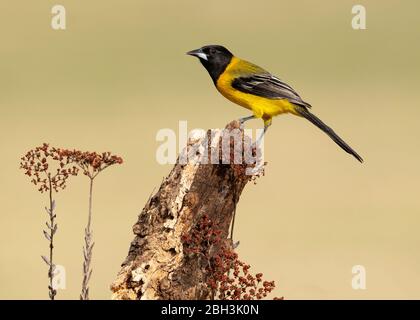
[[243, 120]]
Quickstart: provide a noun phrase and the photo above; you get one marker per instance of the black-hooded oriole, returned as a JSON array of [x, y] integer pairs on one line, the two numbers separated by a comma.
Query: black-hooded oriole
[[254, 88]]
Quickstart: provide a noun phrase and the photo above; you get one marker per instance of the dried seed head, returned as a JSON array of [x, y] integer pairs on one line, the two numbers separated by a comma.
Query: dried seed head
[[38, 162]]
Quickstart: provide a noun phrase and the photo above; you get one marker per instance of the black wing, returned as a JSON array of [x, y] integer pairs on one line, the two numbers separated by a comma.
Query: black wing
[[268, 86]]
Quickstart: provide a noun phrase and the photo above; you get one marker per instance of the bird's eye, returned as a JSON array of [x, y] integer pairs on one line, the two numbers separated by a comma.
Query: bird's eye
[[212, 51]]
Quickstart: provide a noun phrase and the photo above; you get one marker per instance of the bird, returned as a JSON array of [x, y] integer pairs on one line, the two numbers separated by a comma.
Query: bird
[[256, 89]]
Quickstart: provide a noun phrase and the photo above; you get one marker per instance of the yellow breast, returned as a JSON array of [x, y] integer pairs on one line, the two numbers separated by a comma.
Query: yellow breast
[[260, 106]]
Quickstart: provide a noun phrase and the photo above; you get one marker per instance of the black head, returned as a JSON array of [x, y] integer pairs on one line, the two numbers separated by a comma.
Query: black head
[[214, 58]]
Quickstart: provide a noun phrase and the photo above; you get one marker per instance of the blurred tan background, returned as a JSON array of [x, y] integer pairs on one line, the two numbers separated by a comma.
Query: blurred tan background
[[119, 73]]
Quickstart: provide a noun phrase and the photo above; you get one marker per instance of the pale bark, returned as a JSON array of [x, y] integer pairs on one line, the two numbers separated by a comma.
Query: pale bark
[[156, 266]]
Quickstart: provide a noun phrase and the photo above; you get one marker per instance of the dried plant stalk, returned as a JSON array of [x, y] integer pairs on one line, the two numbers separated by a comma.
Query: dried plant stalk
[[52, 228], [91, 163], [37, 164], [87, 250]]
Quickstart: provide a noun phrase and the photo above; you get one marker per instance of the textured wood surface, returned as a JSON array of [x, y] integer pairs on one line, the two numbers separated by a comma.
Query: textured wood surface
[[156, 266]]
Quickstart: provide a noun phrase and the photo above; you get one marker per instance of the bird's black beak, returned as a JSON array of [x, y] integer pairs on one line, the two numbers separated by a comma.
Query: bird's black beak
[[198, 53]]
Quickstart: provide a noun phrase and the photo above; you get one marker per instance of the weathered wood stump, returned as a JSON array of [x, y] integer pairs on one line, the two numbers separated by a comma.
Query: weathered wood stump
[[156, 266]]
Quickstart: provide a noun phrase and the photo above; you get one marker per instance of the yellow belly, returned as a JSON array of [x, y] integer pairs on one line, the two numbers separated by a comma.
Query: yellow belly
[[261, 107]]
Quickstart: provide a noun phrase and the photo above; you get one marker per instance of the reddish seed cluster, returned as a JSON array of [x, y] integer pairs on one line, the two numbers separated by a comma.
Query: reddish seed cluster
[[202, 236], [232, 279], [92, 163], [229, 278], [50, 167], [37, 164]]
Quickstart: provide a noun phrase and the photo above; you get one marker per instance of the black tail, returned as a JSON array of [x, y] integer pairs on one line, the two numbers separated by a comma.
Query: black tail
[[330, 132]]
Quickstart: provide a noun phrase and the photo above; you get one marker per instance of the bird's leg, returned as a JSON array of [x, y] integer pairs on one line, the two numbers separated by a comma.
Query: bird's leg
[[244, 119], [266, 125]]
